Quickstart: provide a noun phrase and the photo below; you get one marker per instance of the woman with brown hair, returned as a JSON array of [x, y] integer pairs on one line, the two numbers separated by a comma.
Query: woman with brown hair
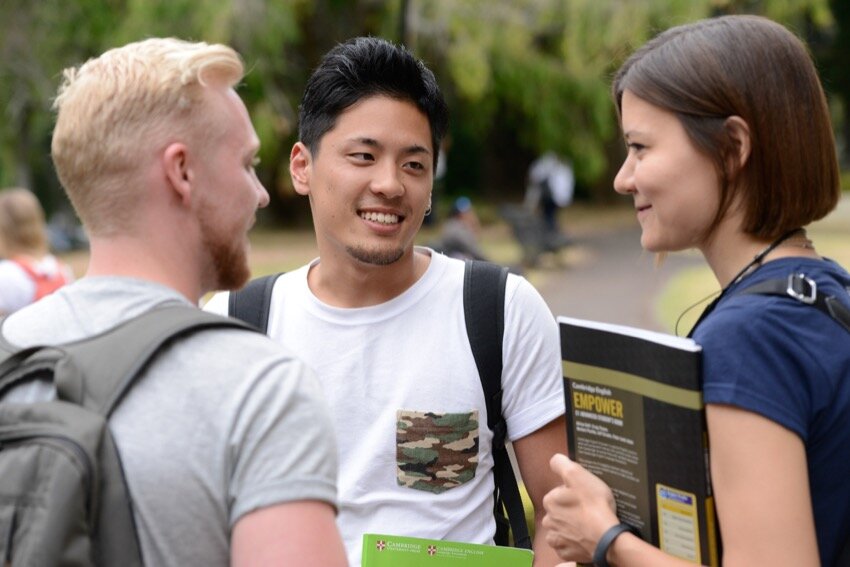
[[731, 152]]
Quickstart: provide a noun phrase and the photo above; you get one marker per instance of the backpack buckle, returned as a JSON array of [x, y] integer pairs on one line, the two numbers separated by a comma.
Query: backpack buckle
[[802, 288]]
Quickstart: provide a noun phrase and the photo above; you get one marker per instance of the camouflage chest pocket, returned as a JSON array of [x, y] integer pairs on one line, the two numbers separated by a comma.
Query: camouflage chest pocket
[[436, 451]]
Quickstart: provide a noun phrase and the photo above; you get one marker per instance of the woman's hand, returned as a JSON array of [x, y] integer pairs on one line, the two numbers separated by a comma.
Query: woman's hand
[[577, 512]]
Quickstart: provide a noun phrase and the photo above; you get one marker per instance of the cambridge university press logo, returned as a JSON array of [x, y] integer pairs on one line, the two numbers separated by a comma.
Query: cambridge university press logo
[[380, 544], [432, 550]]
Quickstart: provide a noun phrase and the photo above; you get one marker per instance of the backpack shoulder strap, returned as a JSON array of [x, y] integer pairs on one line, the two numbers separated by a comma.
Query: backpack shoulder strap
[[252, 303], [484, 312], [804, 290], [118, 356]]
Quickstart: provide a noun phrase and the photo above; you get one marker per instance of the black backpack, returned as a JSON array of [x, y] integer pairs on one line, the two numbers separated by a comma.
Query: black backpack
[[63, 496], [484, 309]]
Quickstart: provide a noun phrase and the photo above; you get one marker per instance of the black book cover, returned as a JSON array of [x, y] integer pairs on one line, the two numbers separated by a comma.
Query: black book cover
[[635, 418]]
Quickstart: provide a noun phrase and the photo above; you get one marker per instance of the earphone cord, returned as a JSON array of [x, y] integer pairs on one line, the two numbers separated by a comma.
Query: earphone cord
[[756, 261], [690, 307]]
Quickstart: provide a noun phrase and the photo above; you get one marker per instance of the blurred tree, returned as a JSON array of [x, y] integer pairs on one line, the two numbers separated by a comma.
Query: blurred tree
[[37, 41], [521, 76], [836, 71], [528, 76]]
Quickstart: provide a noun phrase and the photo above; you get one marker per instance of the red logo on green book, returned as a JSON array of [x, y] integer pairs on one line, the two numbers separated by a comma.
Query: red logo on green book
[[432, 550], [381, 544]]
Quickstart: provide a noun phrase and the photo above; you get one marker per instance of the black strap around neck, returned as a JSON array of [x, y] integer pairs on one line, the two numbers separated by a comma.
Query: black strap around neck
[[747, 270]]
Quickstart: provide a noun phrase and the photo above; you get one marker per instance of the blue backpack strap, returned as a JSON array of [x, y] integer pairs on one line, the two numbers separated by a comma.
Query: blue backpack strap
[[252, 303], [484, 313], [805, 290]]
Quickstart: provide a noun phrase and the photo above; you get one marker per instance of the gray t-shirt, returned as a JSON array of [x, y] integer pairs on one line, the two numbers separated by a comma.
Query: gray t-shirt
[[223, 422]]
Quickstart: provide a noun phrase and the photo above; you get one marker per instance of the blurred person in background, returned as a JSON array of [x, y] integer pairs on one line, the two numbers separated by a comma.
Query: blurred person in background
[[28, 271], [550, 188], [460, 233]]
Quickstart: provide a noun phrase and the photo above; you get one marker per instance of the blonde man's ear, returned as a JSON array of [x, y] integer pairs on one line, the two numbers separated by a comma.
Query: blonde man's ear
[[175, 164]]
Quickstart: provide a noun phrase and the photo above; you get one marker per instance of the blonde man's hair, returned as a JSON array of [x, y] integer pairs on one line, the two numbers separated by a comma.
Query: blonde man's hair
[[124, 106], [22, 225]]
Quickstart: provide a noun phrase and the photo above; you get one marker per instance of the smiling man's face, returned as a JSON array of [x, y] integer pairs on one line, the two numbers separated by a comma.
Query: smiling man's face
[[369, 182]]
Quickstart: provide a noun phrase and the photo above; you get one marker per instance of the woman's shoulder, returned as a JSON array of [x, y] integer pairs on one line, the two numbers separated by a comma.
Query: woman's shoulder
[[742, 315]]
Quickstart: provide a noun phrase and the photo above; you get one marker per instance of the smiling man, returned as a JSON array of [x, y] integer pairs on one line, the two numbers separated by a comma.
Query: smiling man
[[381, 321]]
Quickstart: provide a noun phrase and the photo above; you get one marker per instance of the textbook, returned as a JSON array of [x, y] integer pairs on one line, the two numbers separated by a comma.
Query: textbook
[[636, 419], [398, 551]]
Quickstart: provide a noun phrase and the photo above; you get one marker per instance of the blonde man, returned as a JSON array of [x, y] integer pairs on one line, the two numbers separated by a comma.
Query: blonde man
[[226, 444], [29, 271]]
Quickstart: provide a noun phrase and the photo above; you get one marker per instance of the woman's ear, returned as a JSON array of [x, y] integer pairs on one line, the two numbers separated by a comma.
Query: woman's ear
[[739, 134], [300, 166]]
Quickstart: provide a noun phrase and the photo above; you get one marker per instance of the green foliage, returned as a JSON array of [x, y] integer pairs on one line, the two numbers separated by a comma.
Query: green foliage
[[540, 69], [789, 12], [37, 41], [521, 76]]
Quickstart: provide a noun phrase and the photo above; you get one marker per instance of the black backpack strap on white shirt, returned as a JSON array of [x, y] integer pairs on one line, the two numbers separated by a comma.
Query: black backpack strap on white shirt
[[805, 290], [484, 312], [483, 301], [253, 302]]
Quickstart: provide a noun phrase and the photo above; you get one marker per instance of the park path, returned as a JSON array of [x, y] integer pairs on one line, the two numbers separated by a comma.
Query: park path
[[608, 277]]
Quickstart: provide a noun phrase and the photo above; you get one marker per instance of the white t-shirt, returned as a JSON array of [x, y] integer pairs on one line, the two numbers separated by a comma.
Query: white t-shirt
[[222, 423], [404, 390]]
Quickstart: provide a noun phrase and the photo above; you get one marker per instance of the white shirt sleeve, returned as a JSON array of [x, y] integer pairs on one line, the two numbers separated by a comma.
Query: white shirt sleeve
[[532, 377]]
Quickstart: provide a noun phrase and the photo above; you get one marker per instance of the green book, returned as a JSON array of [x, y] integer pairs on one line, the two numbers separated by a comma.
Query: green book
[[398, 551], [635, 418]]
